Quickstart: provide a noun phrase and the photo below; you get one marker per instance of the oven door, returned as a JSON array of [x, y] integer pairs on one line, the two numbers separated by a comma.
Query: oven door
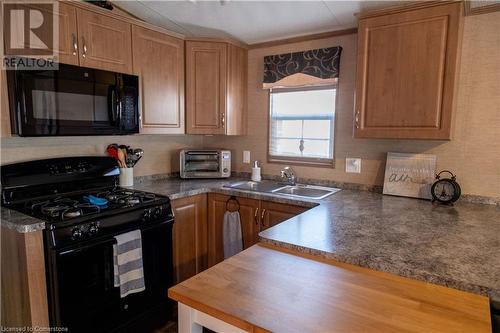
[[72, 101], [82, 295]]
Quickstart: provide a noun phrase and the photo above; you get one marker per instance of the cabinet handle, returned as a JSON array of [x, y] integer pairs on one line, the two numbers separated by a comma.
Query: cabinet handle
[[75, 44], [223, 119], [262, 217], [255, 219], [84, 54], [356, 119]]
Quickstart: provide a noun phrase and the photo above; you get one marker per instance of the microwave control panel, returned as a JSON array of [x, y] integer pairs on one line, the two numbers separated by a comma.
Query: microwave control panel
[[226, 163]]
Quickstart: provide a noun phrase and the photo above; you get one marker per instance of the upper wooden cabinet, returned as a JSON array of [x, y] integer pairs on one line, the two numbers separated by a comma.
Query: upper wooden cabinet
[[159, 63], [68, 35], [67, 47], [104, 42], [215, 88], [4, 106], [407, 72]]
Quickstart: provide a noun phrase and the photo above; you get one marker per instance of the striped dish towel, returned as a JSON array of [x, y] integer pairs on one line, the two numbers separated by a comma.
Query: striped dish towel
[[127, 259]]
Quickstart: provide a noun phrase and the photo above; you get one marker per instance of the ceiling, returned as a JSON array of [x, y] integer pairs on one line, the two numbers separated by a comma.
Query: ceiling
[[250, 21]]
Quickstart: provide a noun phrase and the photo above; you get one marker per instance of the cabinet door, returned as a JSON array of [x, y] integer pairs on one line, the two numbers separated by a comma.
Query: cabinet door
[[236, 117], [206, 72], [67, 48], [407, 72], [105, 43], [68, 35], [159, 63], [249, 217], [273, 213], [4, 106], [190, 232]]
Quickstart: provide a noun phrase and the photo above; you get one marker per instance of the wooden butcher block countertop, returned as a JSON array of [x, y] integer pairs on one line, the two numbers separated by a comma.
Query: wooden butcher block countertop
[[267, 289]]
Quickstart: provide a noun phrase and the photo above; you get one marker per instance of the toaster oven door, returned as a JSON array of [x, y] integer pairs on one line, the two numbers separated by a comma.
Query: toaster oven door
[[200, 164]]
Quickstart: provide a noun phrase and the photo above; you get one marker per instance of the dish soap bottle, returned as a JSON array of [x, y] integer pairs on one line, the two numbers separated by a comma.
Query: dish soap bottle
[[256, 177]]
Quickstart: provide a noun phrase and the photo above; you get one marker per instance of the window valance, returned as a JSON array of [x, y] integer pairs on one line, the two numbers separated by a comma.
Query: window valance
[[306, 68]]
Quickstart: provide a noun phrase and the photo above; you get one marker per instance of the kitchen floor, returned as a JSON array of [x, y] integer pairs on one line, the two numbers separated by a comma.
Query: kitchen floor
[[171, 325]]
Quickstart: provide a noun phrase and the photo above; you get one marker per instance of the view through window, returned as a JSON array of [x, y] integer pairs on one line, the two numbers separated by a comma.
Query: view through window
[[302, 124]]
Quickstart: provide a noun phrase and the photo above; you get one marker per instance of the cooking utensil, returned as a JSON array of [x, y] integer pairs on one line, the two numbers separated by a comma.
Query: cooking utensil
[[113, 152], [121, 158], [138, 153]]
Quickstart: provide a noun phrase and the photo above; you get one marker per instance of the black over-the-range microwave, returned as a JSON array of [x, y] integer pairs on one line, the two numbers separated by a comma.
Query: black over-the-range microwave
[[72, 100]]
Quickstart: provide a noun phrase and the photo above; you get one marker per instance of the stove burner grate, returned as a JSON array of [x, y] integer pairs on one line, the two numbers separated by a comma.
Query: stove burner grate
[[126, 197]]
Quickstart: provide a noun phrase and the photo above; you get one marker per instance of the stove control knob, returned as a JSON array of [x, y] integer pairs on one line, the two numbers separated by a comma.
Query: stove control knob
[[157, 212], [76, 233], [93, 229], [146, 216]]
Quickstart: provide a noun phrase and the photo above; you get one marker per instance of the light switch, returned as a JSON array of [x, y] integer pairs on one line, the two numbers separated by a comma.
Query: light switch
[[246, 156], [353, 165]]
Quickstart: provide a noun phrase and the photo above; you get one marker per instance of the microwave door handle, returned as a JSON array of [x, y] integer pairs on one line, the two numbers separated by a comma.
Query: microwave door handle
[[119, 111], [112, 104]]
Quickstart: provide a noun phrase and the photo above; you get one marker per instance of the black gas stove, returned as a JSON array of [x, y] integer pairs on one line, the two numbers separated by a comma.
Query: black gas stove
[[74, 208], [84, 210]]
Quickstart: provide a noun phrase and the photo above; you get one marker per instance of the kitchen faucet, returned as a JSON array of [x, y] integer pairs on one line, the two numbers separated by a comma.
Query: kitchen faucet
[[287, 176]]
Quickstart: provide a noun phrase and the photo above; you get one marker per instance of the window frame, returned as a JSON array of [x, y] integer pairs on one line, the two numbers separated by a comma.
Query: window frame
[[294, 160]]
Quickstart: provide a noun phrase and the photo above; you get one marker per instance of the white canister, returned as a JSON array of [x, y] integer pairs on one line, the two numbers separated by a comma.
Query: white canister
[[126, 176]]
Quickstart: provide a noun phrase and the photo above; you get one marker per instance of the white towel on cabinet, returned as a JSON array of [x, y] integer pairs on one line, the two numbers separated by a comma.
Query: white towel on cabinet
[[232, 237]]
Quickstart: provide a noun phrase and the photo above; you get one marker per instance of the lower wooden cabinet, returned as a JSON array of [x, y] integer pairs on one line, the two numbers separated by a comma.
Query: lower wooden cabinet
[[255, 216], [198, 228], [249, 210], [273, 213], [190, 243]]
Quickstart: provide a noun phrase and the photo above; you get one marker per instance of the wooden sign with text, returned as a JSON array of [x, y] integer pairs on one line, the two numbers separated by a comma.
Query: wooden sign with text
[[409, 175]]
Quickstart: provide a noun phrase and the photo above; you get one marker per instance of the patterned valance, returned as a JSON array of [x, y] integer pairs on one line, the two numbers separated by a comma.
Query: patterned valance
[[313, 67]]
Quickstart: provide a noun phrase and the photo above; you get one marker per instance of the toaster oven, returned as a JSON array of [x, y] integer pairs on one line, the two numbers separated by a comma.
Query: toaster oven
[[214, 163]]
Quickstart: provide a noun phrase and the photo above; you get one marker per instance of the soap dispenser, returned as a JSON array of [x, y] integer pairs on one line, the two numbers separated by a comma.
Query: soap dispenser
[[256, 177]]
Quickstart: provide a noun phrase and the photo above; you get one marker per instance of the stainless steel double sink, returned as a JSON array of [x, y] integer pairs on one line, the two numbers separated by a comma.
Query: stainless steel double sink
[[299, 190]]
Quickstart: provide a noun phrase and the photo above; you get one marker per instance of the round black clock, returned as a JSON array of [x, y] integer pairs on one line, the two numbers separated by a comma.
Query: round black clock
[[445, 190]]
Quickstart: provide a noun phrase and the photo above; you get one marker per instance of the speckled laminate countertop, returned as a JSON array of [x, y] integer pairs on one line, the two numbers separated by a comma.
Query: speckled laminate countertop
[[455, 246]]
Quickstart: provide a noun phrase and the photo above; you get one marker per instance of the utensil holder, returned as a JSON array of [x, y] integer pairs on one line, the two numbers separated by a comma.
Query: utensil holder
[[126, 177]]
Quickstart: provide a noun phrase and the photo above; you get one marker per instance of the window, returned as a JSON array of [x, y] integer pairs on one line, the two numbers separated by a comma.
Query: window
[[302, 125]]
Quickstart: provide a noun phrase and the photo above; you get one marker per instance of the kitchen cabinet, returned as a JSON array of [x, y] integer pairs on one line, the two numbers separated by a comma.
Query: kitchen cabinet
[[255, 216], [68, 35], [407, 72], [4, 106], [249, 210], [273, 213], [104, 42], [190, 236], [67, 48], [215, 88], [24, 287], [158, 60]]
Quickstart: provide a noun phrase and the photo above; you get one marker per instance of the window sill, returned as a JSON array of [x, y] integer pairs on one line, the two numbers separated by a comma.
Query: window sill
[[301, 161]]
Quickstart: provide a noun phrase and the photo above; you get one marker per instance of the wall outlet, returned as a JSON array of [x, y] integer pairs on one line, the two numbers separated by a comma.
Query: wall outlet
[[353, 165], [246, 156]]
